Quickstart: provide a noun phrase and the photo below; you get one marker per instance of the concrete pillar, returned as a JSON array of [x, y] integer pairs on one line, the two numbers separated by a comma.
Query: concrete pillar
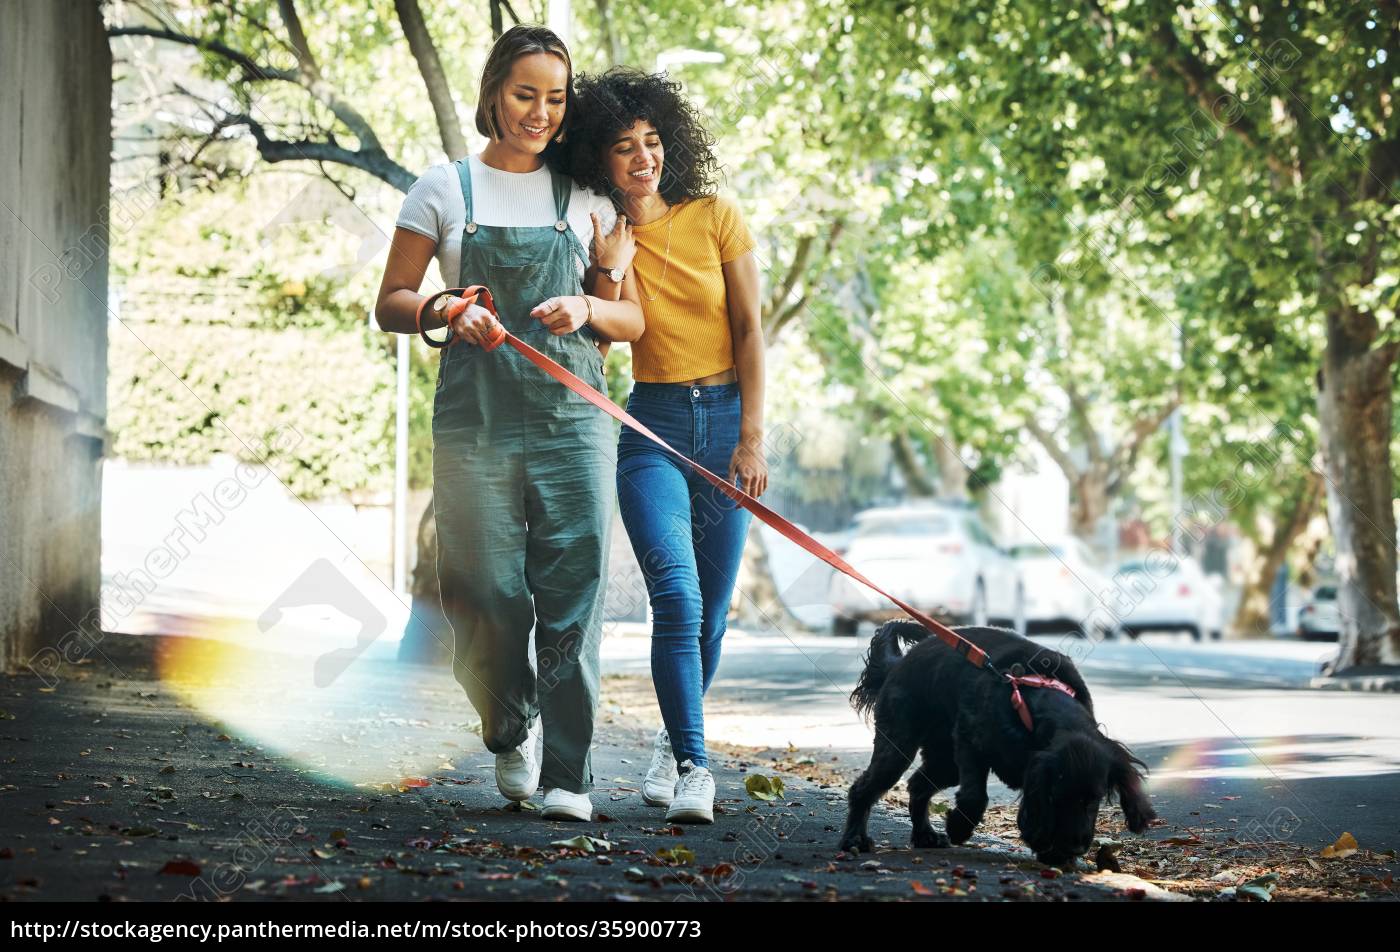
[[55, 149]]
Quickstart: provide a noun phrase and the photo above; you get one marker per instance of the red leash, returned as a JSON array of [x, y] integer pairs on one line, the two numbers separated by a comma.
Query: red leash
[[470, 295]]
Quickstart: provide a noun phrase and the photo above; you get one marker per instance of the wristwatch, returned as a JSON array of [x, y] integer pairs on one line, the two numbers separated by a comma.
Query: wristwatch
[[614, 274]]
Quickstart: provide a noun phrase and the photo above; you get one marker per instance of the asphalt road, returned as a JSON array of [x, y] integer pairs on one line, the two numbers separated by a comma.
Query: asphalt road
[[1234, 738]]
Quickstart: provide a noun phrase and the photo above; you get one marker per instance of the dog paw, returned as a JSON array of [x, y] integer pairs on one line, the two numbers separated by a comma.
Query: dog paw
[[857, 843], [959, 827], [929, 840]]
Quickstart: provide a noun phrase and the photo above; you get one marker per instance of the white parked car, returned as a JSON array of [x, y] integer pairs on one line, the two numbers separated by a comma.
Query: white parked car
[[1064, 584], [939, 558], [1319, 618], [1163, 592]]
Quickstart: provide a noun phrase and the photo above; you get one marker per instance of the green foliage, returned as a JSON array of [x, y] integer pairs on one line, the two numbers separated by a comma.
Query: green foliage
[[182, 393]]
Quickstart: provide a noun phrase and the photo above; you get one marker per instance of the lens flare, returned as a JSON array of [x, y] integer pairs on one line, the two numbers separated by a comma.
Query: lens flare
[[362, 722]]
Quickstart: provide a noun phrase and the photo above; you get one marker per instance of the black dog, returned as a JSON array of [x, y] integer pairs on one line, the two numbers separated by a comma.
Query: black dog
[[934, 700]]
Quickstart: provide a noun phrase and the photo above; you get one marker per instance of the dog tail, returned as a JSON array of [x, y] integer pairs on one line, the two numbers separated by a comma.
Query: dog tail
[[885, 652]]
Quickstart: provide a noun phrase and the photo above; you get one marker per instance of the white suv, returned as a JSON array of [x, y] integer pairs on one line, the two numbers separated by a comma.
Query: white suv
[[939, 558]]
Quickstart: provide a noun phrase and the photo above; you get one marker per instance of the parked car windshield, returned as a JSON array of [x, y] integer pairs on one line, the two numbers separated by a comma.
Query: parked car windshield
[[1161, 568], [903, 525], [1037, 551]]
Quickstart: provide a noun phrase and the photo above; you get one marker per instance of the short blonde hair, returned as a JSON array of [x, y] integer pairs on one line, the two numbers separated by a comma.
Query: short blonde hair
[[520, 40]]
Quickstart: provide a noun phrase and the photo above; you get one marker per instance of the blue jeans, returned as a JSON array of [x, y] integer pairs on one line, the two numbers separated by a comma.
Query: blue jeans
[[688, 539]]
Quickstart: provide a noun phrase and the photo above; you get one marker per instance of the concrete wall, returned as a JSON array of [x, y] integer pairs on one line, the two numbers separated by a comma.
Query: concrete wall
[[55, 148]]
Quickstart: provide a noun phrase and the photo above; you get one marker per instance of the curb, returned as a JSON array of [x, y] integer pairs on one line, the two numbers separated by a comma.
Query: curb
[[1388, 683]]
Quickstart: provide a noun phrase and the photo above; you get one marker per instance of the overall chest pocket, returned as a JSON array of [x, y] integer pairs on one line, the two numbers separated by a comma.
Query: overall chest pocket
[[519, 287]]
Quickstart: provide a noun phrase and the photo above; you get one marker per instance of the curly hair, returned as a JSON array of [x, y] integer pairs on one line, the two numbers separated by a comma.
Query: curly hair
[[610, 103]]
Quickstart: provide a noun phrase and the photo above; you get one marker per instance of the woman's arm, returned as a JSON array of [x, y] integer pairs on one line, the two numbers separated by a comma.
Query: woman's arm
[[396, 308], [746, 328], [398, 300], [612, 320]]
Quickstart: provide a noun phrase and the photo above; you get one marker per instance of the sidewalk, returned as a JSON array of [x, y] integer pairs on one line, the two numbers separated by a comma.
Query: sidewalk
[[160, 768]]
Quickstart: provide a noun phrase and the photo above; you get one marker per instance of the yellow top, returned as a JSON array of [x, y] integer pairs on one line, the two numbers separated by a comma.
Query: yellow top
[[683, 293]]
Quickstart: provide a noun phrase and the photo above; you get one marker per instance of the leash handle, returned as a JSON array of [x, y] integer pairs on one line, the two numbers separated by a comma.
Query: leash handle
[[466, 297], [967, 649]]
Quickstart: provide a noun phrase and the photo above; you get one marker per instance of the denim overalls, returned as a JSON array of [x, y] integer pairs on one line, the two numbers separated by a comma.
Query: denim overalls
[[523, 493]]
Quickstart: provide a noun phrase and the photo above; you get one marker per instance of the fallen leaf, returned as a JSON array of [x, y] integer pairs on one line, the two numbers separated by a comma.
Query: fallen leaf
[[589, 844], [1260, 888], [1345, 846], [760, 787], [677, 855], [179, 867]]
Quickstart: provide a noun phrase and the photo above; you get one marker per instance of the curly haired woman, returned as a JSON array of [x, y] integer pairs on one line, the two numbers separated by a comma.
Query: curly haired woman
[[699, 377]]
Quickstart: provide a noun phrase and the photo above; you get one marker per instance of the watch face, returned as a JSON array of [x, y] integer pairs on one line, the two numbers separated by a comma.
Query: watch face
[[440, 303]]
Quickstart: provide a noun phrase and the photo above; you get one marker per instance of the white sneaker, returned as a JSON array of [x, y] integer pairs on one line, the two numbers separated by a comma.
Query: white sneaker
[[694, 799], [660, 783], [518, 771], [563, 805]]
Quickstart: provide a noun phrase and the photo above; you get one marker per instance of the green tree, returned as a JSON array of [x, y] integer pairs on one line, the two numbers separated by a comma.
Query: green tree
[[1262, 135]]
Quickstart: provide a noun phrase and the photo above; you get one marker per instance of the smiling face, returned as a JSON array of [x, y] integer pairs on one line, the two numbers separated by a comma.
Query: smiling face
[[634, 160], [530, 109]]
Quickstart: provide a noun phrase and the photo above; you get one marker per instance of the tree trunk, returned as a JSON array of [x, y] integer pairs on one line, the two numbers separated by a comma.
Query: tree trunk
[[915, 473], [952, 471], [757, 603], [1354, 413], [610, 40], [1253, 617], [428, 638], [1089, 503]]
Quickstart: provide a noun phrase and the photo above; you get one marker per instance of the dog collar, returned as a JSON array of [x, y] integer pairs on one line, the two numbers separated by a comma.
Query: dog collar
[[1032, 681]]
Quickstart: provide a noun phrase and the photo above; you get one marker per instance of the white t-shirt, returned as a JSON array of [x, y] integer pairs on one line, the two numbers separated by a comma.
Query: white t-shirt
[[434, 208]]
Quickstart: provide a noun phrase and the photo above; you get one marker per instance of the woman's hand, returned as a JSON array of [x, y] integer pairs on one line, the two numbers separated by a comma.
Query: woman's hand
[[562, 315], [616, 249], [750, 466], [474, 325]]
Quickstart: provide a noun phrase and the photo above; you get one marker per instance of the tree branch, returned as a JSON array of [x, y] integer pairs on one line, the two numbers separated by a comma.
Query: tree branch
[[1204, 87], [370, 157], [783, 289], [275, 150], [311, 79], [292, 21], [1125, 453], [1052, 446], [253, 70], [425, 54]]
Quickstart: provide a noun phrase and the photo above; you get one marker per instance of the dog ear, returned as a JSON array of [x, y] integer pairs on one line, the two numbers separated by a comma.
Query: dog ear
[[1036, 818], [1125, 776]]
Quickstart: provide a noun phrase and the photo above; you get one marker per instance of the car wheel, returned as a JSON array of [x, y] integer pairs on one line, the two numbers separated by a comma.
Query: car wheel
[[1217, 635], [978, 615], [846, 627], [1194, 632]]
